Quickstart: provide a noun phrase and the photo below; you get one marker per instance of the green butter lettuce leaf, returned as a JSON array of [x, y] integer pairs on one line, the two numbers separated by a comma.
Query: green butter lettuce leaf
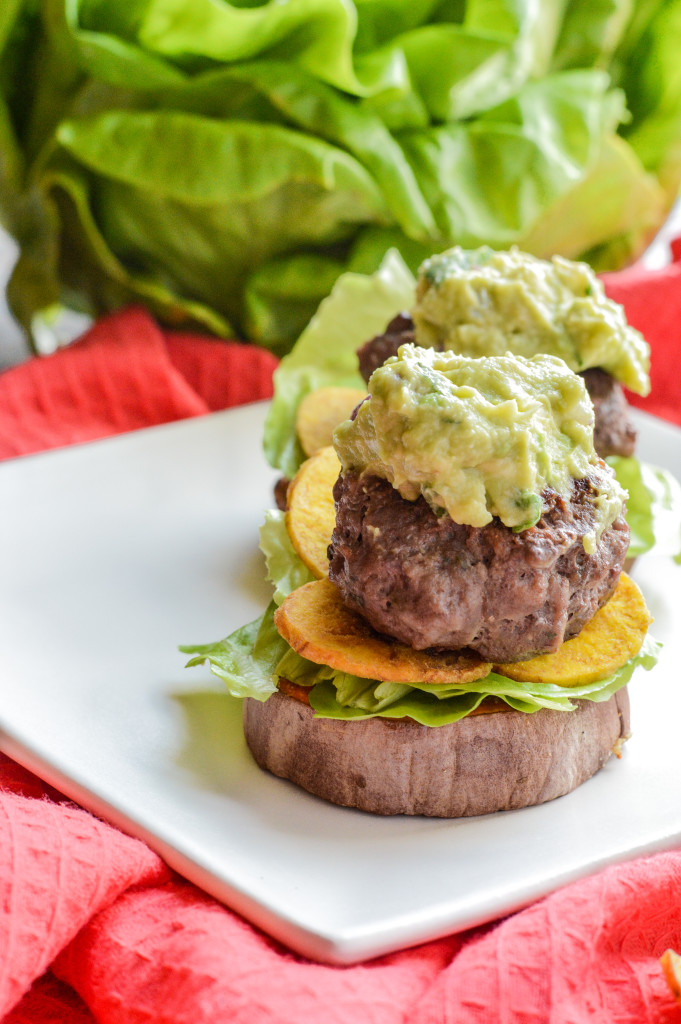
[[93, 268], [433, 705], [299, 100], [653, 506], [590, 32], [358, 307], [571, 184], [317, 34], [615, 199], [285, 570], [279, 295], [166, 179], [138, 192], [540, 143], [417, 705], [653, 96], [102, 38], [360, 124], [496, 49], [245, 659], [18, 23], [251, 659]]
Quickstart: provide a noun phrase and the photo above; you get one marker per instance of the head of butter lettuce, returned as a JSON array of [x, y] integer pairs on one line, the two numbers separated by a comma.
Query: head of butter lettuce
[[252, 659], [361, 306], [223, 163]]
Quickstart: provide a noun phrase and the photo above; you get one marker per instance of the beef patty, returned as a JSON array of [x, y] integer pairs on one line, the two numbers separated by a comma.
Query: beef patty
[[614, 431], [433, 583], [375, 351]]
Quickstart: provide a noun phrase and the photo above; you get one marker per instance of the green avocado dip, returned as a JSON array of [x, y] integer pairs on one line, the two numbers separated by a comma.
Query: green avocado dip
[[480, 302], [478, 437]]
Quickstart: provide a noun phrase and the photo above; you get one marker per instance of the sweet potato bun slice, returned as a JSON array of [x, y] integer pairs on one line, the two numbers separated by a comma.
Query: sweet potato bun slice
[[480, 764], [314, 622], [320, 412], [608, 641], [311, 516]]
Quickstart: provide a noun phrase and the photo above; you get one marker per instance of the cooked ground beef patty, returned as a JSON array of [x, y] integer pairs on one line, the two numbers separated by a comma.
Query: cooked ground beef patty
[[400, 331], [433, 583], [614, 431]]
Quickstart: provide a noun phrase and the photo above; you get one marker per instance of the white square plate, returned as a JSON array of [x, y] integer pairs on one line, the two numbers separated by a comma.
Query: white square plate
[[115, 552]]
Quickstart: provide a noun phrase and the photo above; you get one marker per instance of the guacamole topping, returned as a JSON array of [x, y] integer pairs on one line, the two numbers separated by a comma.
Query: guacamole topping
[[478, 437], [480, 302]]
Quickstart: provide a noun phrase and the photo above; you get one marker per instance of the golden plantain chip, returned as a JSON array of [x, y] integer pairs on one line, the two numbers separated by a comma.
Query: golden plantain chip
[[311, 515], [671, 965], [314, 622], [613, 636], [320, 412]]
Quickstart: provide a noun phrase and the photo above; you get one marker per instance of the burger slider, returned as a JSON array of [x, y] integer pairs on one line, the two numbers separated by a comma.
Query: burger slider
[[482, 302], [465, 645]]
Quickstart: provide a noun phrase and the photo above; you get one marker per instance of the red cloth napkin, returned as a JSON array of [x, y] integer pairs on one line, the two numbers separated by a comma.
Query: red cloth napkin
[[94, 927], [653, 305], [125, 374]]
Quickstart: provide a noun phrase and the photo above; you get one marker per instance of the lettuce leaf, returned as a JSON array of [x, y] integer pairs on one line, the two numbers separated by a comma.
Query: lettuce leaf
[[285, 570], [433, 705], [243, 660], [653, 507], [225, 162], [359, 306], [253, 658]]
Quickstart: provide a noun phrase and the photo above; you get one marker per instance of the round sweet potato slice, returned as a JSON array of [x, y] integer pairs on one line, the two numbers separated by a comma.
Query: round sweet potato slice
[[314, 622], [477, 765]]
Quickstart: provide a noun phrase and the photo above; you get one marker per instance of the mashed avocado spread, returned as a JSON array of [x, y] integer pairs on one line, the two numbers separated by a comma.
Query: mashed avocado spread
[[478, 437], [481, 302]]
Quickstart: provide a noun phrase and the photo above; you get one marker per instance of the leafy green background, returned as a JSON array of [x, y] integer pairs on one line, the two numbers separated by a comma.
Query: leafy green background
[[223, 163]]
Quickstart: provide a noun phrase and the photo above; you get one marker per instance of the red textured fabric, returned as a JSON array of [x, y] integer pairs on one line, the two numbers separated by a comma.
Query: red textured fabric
[[93, 926], [653, 305], [125, 374], [218, 372], [59, 867]]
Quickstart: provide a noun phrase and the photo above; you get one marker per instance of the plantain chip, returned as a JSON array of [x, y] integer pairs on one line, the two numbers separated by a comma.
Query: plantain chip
[[613, 636], [671, 965], [320, 412], [311, 515], [314, 622]]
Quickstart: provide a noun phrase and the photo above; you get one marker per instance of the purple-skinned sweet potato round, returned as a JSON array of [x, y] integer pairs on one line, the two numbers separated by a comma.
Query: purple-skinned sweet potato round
[[495, 761]]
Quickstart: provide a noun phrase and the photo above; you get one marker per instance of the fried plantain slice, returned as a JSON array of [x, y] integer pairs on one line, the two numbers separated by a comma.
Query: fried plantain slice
[[311, 515], [314, 622], [613, 636], [320, 412], [671, 965]]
